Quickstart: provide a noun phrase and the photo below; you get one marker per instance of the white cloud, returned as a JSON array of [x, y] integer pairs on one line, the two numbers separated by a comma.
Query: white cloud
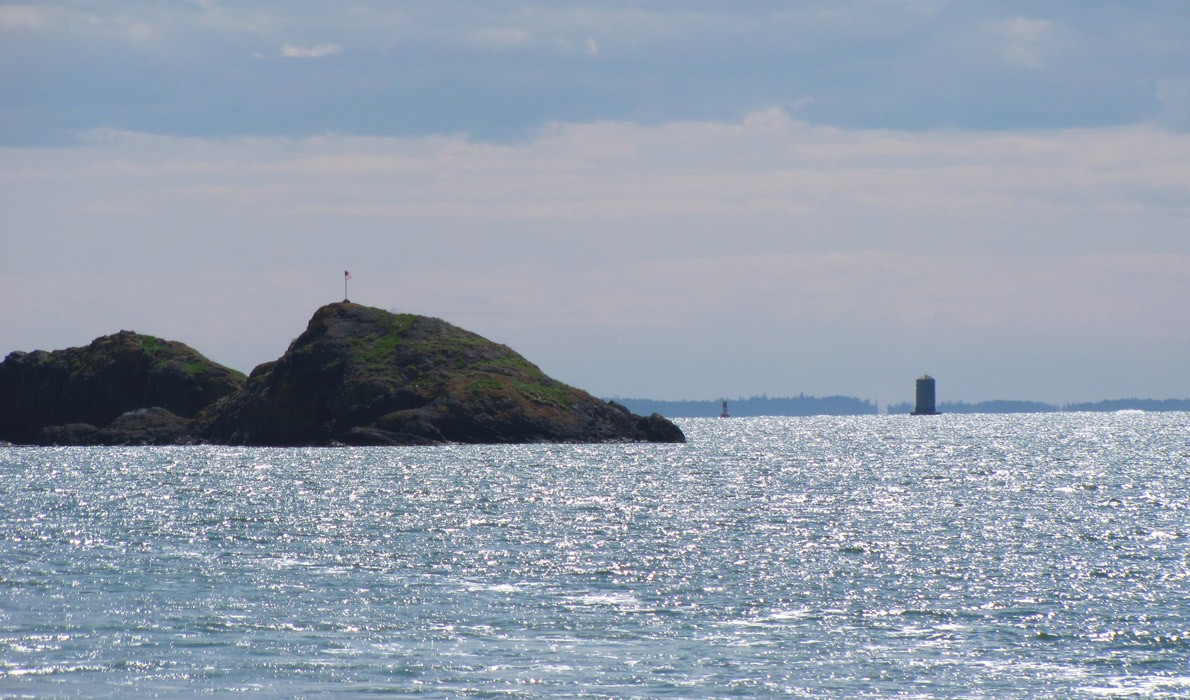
[[501, 69], [1023, 41], [318, 51], [24, 16], [130, 28], [766, 164]]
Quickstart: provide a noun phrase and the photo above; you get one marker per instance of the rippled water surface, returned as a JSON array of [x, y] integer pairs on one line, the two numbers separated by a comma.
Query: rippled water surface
[[948, 556]]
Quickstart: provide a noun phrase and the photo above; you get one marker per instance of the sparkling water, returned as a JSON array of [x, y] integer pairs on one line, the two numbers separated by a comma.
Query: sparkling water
[[948, 556]]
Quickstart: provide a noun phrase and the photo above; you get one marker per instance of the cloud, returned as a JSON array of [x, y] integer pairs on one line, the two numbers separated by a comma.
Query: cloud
[[766, 163], [1023, 41], [317, 51], [25, 16], [123, 28], [501, 70]]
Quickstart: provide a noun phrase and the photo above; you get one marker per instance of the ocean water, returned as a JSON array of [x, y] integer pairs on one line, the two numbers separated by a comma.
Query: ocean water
[[1041, 556]]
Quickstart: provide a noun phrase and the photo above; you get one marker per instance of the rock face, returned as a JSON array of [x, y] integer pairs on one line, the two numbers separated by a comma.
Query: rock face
[[357, 376], [92, 394], [141, 426], [363, 376]]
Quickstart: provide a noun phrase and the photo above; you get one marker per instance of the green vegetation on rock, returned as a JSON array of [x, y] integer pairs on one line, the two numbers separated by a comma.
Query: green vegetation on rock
[[361, 375]]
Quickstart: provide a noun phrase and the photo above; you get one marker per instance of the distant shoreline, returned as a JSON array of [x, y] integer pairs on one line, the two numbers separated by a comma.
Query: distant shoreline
[[803, 405]]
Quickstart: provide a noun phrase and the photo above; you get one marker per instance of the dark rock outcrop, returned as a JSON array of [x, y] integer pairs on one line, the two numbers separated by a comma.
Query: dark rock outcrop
[[363, 376], [356, 376], [142, 426], [74, 396]]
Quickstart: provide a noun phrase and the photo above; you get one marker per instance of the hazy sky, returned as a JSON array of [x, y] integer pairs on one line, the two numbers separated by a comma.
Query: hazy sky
[[648, 199]]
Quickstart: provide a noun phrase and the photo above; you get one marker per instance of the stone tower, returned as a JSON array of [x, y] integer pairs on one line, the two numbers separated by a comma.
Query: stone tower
[[925, 396]]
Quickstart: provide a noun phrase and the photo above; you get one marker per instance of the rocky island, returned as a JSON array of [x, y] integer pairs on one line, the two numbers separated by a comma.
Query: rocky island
[[356, 376], [122, 388]]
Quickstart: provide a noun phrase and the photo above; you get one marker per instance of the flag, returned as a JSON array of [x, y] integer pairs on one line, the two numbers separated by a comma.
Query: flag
[[346, 275]]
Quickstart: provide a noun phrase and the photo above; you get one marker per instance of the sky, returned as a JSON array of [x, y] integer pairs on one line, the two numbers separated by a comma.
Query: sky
[[667, 200]]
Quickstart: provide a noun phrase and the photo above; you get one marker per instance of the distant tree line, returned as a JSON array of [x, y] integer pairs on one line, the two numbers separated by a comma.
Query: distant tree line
[[999, 406], [1131, 405], [800, 405], [1038, 407], [803, 405]]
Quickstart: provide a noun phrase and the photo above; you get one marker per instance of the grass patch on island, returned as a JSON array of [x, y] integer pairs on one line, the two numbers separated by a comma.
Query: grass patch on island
[[383, 346], [541, 393]]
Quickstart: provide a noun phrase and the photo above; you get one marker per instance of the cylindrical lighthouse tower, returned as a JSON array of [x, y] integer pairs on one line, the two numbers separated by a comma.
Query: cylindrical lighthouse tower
[[925, 396]]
